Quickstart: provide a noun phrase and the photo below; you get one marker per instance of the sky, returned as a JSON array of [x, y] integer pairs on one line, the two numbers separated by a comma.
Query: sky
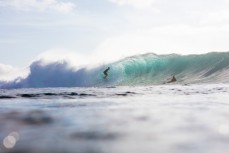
[[109, 29]]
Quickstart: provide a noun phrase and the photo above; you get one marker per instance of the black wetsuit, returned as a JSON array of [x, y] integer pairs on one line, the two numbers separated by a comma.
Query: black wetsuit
[[105, 72], [172, 80]]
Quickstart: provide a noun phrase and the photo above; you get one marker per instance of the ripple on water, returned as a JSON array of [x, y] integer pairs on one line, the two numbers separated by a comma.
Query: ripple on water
[[35, 117], [94, 135]]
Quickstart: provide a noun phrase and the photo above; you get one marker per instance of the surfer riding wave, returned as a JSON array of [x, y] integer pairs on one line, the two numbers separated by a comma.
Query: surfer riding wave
[[105, 72]]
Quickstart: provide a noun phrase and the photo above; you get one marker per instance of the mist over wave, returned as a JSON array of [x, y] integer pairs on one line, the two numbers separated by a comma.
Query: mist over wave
[[54, 74], [146, 69]]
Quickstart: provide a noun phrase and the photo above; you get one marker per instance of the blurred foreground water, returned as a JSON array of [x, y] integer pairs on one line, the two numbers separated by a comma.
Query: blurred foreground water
[[159, 119]]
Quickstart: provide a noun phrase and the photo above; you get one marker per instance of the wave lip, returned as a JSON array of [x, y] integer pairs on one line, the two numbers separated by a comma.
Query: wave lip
[[146, 69]]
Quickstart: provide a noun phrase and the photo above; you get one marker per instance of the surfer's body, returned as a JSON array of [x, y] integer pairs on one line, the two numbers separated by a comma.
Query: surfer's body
[[172, 80], [106, 72]]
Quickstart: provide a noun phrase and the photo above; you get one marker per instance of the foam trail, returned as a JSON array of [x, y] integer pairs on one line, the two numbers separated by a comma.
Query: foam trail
[[147, 69]]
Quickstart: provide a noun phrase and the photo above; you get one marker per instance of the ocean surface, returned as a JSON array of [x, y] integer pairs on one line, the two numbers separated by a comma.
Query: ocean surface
[[61, 108], [170, 118]]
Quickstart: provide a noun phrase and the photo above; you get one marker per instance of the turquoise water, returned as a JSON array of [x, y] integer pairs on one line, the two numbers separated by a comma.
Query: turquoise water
[[157, 69]]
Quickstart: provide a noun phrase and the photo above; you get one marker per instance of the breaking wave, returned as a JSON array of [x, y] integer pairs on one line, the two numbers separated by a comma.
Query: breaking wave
[[146, 69]]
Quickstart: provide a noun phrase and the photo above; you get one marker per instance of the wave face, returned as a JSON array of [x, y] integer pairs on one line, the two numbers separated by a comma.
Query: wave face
[[147, 69]]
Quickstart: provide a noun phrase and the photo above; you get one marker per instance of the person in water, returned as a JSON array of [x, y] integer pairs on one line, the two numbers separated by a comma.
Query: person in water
[[172, 80], [106, 72]]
